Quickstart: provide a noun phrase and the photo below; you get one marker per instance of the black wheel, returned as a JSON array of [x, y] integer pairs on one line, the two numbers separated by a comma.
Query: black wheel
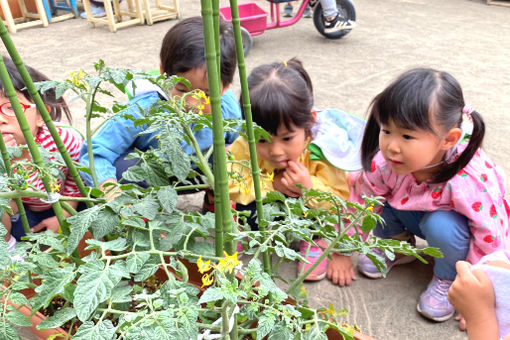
[[247, 41], [345, 10]]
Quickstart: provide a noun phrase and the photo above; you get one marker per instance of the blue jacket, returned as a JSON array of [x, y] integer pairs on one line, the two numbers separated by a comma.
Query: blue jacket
[[119, 135]]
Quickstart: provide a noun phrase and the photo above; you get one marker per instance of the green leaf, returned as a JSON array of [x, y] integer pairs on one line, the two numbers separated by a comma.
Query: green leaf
[[265, 324], [7, 332], [58, 318], [434, 252], [135, 261], [167, 196], [4, 248], [148, 269], [280, 333], [118, 244], [17, 318], [105, 223], [103, 330], [95, 285], [54, 281], [18, 299], [147, 207], [212, 294], [79, 225], [369, 223]]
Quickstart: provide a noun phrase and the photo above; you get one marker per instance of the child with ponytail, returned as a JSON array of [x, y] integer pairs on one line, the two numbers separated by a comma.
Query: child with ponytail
[[422, 153]]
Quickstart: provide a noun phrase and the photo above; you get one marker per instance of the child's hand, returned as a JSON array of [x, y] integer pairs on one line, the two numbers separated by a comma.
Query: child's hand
[[341, 270], [9, 140], [279, 186], [473, 296], [51, 223], [296, 173]]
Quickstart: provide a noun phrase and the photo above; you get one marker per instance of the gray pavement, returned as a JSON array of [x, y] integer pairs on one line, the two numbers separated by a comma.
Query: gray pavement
[[464, 37]]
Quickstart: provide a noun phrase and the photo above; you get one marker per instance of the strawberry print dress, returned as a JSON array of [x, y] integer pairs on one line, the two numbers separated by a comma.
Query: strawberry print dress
[[477, 192]]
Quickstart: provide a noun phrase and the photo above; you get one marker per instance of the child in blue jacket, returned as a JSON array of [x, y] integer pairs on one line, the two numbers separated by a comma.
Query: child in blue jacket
[[182, 54]]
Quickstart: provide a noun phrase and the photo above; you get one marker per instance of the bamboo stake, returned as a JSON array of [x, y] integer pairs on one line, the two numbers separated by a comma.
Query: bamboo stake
[[236, 23], [221, 181], [20, 116], [9, 45]]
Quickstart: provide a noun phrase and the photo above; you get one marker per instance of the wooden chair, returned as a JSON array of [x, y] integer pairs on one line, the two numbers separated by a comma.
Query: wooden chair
[[498, 3], [63, 5], [26, 16], [114, 14], [160, 12]]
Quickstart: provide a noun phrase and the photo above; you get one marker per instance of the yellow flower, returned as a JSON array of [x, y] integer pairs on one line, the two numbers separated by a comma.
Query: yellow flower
[[370, 208], [228, 263], [206, 280], [76, 77], [54, 187], [203, 266], [305, 213], [245, 189], [158, 137], [270, 176]]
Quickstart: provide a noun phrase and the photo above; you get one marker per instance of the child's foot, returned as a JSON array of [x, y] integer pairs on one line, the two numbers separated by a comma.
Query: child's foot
[[368, 268], [338, 23], [308, 12], [319, 272], [434, 302], [287, 10], [97, 12]]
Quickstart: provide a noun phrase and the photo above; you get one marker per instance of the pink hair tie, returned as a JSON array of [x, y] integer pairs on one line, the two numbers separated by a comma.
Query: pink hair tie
[[467, 110]]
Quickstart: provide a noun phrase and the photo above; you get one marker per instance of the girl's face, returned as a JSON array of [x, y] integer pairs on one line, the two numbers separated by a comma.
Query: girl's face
[[287, 145], [11, 131], [409, 151], [198, 79]]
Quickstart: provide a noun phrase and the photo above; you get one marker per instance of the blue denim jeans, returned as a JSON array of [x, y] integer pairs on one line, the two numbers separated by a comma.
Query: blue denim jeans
[[444, 229]]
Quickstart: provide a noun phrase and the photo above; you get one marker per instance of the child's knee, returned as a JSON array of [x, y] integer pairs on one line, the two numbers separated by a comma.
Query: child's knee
[[446, 228]]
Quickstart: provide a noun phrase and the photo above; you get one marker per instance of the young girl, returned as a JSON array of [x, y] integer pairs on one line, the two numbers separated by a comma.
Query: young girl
[[282, 103], [182, 54], [39, 213], [437, 185]]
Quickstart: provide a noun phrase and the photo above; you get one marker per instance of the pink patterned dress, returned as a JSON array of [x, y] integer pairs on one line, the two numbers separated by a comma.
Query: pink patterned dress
[[477, 192]]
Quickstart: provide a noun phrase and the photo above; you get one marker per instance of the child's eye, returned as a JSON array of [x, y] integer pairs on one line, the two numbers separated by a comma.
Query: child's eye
[[407, 137], [288, 139], [386, 132]]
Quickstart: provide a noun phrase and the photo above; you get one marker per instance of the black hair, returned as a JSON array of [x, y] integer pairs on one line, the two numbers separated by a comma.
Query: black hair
[[412, 101], [183, 49], [57, 106], [281, 93]]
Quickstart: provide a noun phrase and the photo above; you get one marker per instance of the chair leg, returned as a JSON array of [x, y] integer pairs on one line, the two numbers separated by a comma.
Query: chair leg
[[109, 15], [8, 16], [86, 6], [74, 7], [48, 9], [42, 12]]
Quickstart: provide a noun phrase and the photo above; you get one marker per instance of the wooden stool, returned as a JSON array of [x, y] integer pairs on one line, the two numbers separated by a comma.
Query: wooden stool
[[160, 12], [63, 5], [114, 15], [498, 3], [24, 21]]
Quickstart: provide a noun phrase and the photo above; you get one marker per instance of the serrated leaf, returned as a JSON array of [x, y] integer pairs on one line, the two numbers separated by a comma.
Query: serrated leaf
[[79, 225], [17, 318], [4, 248], [103, 330], [147, 207], [105, 223], [58, 318], [18, 299], [95, 285], [135, 261], [118, 244], [54, 281], [280, 333], [167, 196], [211, 294], [148, 269], [434, 252], [7, 332], [265, 324], [369, 223]]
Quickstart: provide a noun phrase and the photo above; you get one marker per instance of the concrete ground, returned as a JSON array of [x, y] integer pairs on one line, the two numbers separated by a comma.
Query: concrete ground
[[464, 37]]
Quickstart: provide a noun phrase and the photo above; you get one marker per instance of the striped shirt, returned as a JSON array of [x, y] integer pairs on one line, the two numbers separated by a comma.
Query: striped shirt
[[66, 186]]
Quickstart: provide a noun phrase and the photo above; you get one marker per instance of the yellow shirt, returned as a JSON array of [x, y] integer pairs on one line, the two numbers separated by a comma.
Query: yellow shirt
[[325, 177]]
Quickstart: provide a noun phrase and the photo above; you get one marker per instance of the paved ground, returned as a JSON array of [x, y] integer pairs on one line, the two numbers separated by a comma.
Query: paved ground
[[467, 38]]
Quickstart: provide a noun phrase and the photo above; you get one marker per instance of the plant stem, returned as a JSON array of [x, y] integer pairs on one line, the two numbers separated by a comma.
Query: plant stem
[[88, 132], [236, 23], [44, 195]]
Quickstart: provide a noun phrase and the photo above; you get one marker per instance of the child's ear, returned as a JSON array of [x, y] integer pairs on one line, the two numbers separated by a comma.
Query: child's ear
[[314, 115], [39, 120], [161, 69], [451, 138]]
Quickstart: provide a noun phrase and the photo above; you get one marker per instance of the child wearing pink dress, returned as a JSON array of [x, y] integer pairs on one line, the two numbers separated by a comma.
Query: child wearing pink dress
[[421, 153]]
